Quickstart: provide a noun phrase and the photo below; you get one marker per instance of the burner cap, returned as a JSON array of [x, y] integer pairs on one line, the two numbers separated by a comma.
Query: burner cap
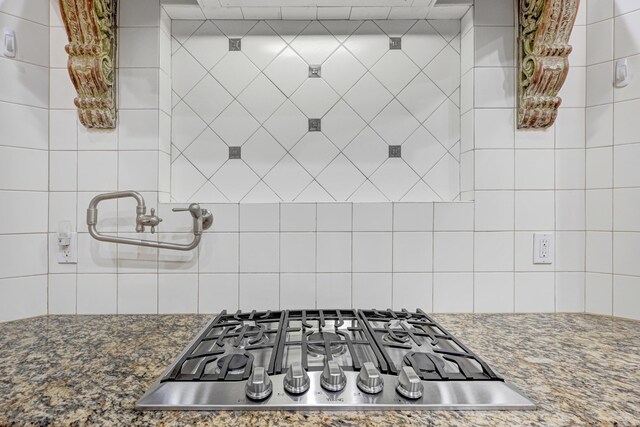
[[319, 348], [422, 362], [238, 361]]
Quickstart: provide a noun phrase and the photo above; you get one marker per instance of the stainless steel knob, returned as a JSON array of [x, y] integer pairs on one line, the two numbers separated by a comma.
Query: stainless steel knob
[[259, 385], [409, 383], [333, 377], [369, 379], [296, 381]]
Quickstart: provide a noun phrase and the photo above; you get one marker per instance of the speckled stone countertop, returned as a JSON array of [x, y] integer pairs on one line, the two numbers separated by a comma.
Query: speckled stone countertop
[[90, 370]]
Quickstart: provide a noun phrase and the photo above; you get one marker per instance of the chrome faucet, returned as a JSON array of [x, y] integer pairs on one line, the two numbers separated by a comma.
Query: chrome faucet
[[202, 220]]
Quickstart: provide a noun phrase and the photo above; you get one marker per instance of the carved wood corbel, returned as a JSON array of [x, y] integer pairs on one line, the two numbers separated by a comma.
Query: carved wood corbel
[[91, 29], [543, 34]]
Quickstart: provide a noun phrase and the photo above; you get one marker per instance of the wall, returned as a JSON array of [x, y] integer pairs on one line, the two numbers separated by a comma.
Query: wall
[[368, 99], [440, 256], [24, 158], [613, 156]]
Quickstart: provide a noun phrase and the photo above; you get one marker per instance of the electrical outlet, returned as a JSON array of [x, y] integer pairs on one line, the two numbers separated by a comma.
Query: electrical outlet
[[68, 249], [542, 248]]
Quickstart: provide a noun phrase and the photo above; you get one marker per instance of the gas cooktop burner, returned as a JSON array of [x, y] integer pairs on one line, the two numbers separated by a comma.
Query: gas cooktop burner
[[317, 341], [329, 359]]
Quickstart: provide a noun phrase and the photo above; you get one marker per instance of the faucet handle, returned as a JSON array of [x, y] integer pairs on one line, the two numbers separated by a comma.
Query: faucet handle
[[194, 209]]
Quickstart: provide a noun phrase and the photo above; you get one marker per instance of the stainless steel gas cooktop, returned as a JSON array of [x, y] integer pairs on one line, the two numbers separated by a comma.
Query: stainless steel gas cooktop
[[329, 359]]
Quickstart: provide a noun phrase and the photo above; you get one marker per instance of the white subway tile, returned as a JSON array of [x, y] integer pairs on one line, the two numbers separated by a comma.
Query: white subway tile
[[259, 252], [372, 252], [63, 170], [494, 47], [97, 293], [333, 290], [62, 294], [372, 216], [534, 169], [570, 250], [494, 210], [599, 210], [177, 261], [570, 290], [23, 254], [534, 292], [259, 292], [455, 216], [453, 251], [260, 217], [23, 297], [627, 34], [137, 293], [334, 252], [14, 132], [217, 292], [599, 167], [413, 216], [494, 169], [626, 294], [625, 165], [570, 210], [15, 219], [453, 292], [28, 84], [494, 251], [626, 203], [298, 217], [600, 42], [372, 290], [534, 210], [297, 291], [412, 251], [219, 253], [599, 251], [570, 169], [97, 170], [493, 293], [599, 293], [492, 12], [297, 252], [626, 247], [412, 291], [23, 169], [177, 293]]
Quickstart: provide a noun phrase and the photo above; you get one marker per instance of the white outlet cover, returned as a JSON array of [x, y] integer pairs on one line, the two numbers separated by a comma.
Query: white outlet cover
[[69, 254], [543, 248]]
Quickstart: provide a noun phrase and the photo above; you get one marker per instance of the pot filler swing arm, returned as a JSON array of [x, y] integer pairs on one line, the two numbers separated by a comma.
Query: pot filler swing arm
[[202, 220]]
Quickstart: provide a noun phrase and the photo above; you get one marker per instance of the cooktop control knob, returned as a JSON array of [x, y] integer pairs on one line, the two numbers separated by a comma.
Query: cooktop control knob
[[259, 385], [369, 379], [296, 381], [409, 383], [333, 377]]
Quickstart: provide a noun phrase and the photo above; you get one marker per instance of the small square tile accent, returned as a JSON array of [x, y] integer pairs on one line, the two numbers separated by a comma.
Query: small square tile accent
[[315, 71], [314, 125], [395, 42], [234, 152], [235, 45], [395, 151]]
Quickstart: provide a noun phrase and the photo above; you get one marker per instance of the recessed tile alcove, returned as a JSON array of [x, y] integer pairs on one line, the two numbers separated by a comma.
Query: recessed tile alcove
[[310, 138]]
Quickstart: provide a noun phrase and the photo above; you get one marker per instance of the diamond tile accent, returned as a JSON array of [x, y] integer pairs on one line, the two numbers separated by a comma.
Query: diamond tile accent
[[314, 193], [443, 178], [394, 178], [315, 125], [186, 126], [287, 125], [342, 70], [368, 97], [288, 71], [287, 179], [235, 153], [421, 192], [314, 152], [315, 71], [444, 70], [395, 70], [208, 193], [234, 179], [262, 152], [421, 97], [342, 124], [368, 193], [288, 30], [261, 98], [189, 70], [235, 72], [370, 102], [315, 43], [192, 180], [207, 153], [262, 44], [235, 125], [422, 151], [207, 45], [314, 98], [201, 97], [422, 43], [341, 178], [394, 124], [368, 43], [261, 193], [367, 151], [444, 124], [395, 43]]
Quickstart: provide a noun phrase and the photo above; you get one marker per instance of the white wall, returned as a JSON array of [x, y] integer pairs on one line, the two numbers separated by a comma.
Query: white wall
[[24, 158], [613, 156]]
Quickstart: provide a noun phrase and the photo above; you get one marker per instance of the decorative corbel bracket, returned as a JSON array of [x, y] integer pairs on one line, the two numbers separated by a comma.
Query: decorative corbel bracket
[[91, 29], [543, 34]]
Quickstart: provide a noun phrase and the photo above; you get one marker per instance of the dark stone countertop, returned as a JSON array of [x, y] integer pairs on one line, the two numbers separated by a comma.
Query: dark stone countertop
[[90, 370]]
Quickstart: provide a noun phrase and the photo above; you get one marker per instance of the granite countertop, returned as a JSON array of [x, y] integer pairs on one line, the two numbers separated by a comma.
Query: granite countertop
[[90, 370]]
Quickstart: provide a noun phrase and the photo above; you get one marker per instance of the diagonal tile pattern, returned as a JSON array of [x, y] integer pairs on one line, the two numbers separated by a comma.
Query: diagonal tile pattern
[[368, 98]]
